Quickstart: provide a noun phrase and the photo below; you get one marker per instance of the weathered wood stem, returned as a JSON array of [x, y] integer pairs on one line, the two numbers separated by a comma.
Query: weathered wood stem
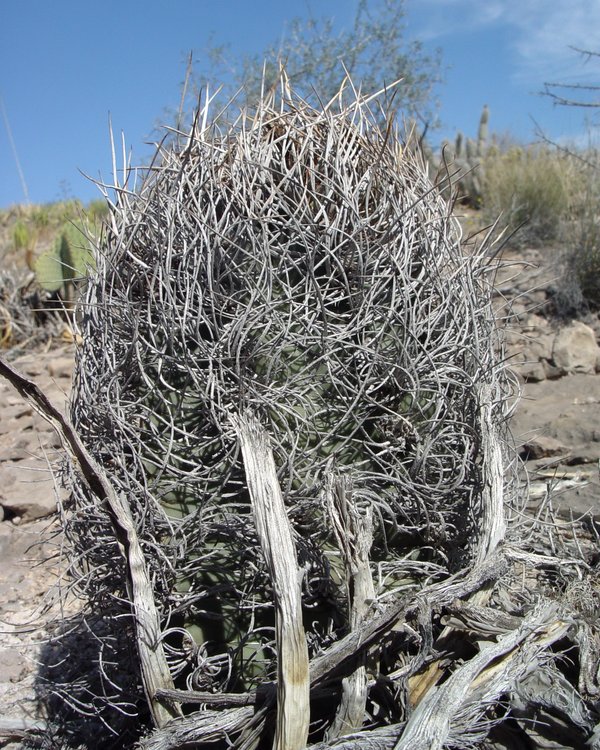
[[276, 539]]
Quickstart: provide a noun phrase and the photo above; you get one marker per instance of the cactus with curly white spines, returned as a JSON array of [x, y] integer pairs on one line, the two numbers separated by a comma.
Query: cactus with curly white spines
[[299, 267]]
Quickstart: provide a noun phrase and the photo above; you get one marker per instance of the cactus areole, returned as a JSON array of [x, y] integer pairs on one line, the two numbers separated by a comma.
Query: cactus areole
[[298, 266]]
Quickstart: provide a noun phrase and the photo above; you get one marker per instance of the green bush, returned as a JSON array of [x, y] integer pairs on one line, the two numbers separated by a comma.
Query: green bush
[[40, 217], [531, 190], [97, 210], [67, 261], [21, 236]]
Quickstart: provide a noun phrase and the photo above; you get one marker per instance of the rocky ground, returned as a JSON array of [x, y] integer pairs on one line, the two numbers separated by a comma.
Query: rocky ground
[[556, 426], [29, 541]]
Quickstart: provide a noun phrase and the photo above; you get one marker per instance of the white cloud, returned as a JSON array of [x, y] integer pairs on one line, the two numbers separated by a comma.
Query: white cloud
[[543, 30], [581, 140]]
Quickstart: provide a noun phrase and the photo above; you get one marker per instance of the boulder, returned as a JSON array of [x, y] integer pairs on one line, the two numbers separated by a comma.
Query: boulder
[[28, 492], [530, 348], [528, 368], [575, 349], [542, 446], [13, 665], [61, 367]]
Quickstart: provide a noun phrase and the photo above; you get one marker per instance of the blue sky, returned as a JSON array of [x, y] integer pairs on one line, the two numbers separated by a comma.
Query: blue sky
[[66, 65]]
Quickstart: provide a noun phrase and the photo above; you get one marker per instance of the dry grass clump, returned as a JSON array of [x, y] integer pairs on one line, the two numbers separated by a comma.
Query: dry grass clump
[[581, 230], [532, 190], [26, 319]]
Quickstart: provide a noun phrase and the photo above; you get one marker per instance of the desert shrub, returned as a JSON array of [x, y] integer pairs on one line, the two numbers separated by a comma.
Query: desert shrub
[[531, 190], [24, 321], [41, 216], [25, 237], [585, 259], [21, 236], [580, 231], [97, 210]]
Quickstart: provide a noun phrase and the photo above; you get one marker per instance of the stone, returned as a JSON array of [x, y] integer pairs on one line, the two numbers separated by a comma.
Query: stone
[[542, 446], [31, 365], [575, 349], [13, 666], [15, 421], [14, 448], [552, 372], [529, 370], [29, 492], [60, 367], [537, 298], [536, 324], [586, 454], [530, 349]]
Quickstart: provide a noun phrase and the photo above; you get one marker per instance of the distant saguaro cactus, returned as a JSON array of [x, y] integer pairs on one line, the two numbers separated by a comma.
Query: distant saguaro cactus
[[464, 157]]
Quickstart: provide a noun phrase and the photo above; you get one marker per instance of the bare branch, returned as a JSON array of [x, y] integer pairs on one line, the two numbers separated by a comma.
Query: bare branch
[[275, 535], [587, 53], [552, 89]]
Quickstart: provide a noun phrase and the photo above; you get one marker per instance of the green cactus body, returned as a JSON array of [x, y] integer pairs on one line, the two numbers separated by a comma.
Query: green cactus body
[[69, 259], [471, 150], [458, 145], [49, 270]]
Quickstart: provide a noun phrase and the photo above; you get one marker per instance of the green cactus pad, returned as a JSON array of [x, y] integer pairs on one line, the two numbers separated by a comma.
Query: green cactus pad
[[69, 259], [49, 271]]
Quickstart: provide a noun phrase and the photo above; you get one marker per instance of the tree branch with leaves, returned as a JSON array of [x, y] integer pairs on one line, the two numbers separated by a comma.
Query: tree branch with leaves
[[316, 53]]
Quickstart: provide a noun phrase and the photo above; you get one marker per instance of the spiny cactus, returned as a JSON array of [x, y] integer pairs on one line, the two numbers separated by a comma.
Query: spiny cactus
[[458, 143], [295, 271], [291, 513], [483, 131], [69, 259]]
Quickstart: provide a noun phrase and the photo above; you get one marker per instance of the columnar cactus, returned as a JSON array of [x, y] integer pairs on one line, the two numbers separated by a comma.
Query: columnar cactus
[[465, 157]]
